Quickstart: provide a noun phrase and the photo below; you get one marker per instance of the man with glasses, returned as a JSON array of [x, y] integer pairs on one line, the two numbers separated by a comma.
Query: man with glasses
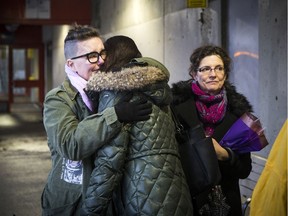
[[74, 130]]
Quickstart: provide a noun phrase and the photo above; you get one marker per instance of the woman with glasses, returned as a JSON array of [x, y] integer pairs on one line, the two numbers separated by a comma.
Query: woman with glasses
[[74, 130], [139, 172], [212, 101]]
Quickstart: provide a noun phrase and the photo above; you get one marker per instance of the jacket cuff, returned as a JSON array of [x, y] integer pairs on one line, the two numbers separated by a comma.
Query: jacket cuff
[[232, 156], [110, 116]]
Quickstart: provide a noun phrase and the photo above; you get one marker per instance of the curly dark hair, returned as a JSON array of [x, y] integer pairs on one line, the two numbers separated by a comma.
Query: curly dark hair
[[208, 50]]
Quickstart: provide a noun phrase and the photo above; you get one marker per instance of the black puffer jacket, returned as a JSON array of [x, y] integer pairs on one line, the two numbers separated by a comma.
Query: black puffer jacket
[[239, 166], [140, 169]]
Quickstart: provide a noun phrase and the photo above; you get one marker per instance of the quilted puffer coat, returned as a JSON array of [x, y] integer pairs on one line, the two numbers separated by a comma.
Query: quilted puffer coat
[[139, 171]]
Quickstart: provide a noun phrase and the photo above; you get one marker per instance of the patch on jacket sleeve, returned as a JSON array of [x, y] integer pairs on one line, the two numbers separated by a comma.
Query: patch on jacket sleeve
[[72, 171]]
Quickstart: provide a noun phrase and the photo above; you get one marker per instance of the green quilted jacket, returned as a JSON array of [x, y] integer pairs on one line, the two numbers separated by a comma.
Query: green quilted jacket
[[139, 171]]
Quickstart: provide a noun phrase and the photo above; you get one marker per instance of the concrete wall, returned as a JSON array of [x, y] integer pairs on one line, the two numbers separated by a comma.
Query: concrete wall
[[272, 66], [165, 30], [257, 42]]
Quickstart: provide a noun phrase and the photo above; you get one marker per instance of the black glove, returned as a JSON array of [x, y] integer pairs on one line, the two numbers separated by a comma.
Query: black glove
[[133, 111]]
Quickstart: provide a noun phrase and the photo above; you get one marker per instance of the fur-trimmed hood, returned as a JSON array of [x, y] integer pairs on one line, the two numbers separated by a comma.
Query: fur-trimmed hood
[[127, 79], [140, 73], [237, 103]]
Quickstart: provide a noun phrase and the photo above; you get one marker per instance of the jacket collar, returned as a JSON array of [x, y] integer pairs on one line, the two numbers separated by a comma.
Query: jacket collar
[[70, 89]]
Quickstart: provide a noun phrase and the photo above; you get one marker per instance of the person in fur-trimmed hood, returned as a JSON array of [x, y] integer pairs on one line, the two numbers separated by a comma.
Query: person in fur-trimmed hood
[[215, 103], [139, 171]]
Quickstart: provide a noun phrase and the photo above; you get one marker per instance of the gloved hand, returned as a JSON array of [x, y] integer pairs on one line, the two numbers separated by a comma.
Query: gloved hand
[[133, 111]]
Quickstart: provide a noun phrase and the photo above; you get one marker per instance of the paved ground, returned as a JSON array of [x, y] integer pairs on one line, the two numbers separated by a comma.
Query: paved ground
[[24, 163]]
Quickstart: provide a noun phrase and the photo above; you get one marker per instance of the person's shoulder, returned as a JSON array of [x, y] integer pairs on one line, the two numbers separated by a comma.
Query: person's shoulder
[[181, 86], [151, 62], [54, 91], [181, 91], [61, 88], [238, 103]]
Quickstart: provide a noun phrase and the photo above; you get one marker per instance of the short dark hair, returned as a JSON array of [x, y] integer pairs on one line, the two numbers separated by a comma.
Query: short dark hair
[[208, 50], [120, 51], [75, 34]]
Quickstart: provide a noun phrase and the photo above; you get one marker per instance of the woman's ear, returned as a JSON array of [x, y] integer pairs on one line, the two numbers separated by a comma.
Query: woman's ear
[[70, 64], [193, 75]]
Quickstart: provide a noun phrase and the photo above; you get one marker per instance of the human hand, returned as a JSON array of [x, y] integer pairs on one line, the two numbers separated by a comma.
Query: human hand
[[133, 111], [221, 152]]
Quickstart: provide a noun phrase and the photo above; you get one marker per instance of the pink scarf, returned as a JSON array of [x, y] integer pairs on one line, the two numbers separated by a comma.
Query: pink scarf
[[79, 83], [211, 108]]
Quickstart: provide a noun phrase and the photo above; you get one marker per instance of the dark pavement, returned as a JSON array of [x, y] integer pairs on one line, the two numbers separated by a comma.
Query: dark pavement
[[24, 161]]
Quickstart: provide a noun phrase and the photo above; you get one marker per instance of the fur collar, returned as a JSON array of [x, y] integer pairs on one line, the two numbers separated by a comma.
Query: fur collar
[[127, 79]]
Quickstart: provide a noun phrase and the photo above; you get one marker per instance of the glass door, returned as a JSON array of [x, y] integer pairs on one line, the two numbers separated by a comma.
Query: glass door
[[26, 78]]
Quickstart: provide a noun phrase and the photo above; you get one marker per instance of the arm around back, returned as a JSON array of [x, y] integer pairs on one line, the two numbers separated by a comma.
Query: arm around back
[[72, 130]]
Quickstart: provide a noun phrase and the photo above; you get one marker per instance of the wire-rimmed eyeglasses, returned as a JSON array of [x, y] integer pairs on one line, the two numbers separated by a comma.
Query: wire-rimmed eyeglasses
[[93, 57], [208, 69]]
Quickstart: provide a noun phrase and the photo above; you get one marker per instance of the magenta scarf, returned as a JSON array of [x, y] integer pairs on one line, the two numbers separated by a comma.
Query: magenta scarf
[[211, 108]]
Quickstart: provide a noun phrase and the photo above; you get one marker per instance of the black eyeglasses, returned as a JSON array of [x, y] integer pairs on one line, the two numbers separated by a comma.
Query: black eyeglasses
[[93, 57], [208, 69]]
